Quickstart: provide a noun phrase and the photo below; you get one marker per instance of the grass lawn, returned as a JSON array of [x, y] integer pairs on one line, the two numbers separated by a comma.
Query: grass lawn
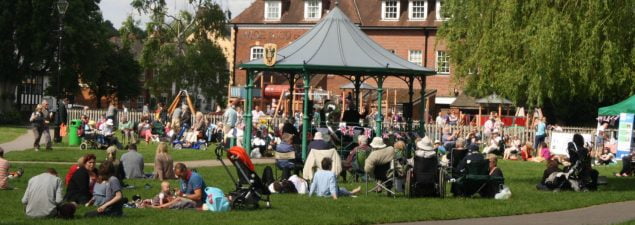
[[370, 209], [9, 133], [63, 153]]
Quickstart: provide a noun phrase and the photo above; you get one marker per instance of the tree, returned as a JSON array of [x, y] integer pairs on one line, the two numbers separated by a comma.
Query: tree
[[180, 50], [117, 70], [567, 56], [29, 44]]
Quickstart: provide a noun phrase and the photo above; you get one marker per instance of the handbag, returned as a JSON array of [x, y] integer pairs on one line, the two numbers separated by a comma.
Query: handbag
[[63, 130]]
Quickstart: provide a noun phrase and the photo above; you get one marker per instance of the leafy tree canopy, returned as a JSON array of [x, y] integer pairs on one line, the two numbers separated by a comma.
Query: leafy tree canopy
[[566, 56], [180, 49]]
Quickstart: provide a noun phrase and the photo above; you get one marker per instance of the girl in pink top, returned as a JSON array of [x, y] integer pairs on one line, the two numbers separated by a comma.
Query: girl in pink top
[[545, 154]]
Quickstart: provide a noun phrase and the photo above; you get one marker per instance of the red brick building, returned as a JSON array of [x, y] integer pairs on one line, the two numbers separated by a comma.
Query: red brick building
[[406, 27]]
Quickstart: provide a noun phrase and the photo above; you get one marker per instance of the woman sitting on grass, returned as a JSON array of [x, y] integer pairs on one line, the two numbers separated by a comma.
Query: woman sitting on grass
[[113, 203], [525, 151], [79, 185], [163, 163], [606, 157], [545, 154]]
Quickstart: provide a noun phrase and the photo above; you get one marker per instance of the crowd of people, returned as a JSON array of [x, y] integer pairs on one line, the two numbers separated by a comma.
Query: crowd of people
[[102, 187]]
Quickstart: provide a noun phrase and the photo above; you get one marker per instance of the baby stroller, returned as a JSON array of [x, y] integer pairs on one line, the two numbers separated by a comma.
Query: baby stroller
[[199, 144], [249, 187]]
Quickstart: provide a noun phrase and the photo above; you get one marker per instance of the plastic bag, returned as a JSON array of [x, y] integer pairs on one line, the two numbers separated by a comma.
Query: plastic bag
[[216, 200], [504, 193]]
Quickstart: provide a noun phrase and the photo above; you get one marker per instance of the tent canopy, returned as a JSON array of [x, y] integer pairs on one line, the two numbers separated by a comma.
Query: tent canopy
[[336, 46], [626, 106]]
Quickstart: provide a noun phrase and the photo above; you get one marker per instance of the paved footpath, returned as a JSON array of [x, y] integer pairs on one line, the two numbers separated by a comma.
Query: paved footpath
[[23, 142], [610, 213]]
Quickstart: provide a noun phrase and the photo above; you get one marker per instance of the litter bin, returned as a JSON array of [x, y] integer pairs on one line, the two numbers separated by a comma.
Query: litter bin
[[73, 138]]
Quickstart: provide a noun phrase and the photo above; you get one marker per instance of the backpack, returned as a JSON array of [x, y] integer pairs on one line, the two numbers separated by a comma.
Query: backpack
[[216, 200]]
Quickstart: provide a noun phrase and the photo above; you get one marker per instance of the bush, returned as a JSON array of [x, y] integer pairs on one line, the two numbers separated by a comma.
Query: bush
[[12, 117]]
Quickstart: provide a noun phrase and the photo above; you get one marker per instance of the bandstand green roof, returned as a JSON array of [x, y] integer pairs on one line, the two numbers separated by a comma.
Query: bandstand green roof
[[337, 46]]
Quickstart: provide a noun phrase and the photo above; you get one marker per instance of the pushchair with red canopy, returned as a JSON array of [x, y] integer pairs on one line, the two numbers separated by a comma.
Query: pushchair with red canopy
[[249, 187]]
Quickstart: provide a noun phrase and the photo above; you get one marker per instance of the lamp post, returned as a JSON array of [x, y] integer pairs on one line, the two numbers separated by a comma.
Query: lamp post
[[62, 6]]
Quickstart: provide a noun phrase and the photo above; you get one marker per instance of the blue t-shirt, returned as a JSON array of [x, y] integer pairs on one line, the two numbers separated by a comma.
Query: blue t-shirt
[[540, 129], [195, 182]]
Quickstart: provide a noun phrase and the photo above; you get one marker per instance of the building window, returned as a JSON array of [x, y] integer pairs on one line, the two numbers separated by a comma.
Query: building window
[[418, 9], [443, 62], [438, 11], [140, 101], [273, 10], [312, 9], [415, 56], [390, 10], [257, 52]]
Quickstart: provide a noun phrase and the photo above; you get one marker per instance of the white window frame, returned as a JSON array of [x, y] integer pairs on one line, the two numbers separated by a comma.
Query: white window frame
[[306, 10], [383, 10], [447, 61], [252, 54], [268, 4], [437, 9], [416, 57], [411, 10]]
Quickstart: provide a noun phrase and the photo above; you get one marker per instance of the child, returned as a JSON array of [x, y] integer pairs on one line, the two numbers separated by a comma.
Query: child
[[99, 192], [167, 199], [606, 157], [166, 195]]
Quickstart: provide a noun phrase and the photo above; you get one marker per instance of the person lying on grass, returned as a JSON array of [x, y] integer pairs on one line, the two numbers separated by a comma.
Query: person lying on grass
[[325, 182]]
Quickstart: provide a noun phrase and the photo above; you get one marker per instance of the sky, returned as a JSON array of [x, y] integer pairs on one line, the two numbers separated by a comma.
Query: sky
[[117, 10]]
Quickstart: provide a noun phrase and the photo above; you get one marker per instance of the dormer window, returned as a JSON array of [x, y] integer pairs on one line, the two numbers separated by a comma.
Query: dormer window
[[438, 10], [418, 9], [390, 9], [312, 9], [273, 9]]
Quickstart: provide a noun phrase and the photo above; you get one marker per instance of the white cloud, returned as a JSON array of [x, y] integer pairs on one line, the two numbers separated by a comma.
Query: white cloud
[[118, 10]]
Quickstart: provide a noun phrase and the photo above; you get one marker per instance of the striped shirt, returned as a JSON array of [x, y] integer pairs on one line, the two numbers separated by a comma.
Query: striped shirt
[[4, 172]]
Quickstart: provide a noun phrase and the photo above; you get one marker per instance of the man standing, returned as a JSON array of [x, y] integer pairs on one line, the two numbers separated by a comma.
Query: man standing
[[133, 163], [43, 196], [60, 119], [191, 185], [46, 132], [229, 118]]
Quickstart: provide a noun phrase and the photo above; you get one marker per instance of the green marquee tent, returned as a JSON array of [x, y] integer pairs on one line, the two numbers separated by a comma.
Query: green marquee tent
[[626, 106]]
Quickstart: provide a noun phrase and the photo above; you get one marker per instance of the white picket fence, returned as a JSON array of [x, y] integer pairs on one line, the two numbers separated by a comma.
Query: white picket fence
[[434, 131]]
